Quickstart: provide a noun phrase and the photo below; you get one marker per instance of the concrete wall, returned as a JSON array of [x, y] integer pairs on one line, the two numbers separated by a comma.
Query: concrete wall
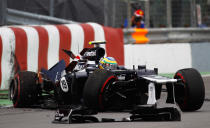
[[169, 58], [200, 53]]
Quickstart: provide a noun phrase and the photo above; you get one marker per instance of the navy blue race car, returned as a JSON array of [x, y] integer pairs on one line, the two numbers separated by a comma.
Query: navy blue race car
[[92, 83]]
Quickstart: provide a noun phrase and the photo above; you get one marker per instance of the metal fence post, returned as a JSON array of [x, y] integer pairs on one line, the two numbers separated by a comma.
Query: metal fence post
[[113, 13], [129, 13], [193, 13], [106, 23], [169, 18], [147, 13], [3, 12], [51, 9]]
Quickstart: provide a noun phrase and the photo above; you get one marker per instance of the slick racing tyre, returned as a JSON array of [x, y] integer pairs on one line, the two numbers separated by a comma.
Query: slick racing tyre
[[94, 89], [190, 91], [23, 89]]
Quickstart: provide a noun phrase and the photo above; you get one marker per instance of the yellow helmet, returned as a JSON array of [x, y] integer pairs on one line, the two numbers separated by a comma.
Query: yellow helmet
[[108, 63]]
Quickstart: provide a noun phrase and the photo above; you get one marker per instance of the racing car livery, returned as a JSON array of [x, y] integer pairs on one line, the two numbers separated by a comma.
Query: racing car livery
[[92, 83]]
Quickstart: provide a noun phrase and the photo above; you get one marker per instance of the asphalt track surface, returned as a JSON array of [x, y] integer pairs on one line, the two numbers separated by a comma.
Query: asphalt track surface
[[40, 118]]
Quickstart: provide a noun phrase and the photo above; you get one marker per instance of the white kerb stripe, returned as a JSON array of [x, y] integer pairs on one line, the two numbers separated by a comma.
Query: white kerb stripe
[[54, 44], [8, 51], [77, 38], [33, 48], [99, 34]]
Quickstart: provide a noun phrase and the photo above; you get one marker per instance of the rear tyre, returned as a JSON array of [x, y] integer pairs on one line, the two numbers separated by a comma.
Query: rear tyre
[[23, 89], [190, 91], [96, 84]]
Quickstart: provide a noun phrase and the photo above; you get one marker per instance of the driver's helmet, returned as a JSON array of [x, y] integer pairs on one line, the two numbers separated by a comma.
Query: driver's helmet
[[108, 63], [139, 13]]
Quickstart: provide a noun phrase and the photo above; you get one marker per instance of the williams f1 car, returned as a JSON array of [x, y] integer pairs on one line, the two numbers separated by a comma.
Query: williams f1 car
[[92, 83]]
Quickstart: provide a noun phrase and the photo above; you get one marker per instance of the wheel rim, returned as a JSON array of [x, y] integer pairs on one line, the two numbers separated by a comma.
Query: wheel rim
[[17, 91], [181, 91], [103, 100], [13, 89], [12, 92]]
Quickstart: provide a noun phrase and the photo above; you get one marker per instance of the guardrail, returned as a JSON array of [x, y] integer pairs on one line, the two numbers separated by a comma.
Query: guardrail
[[131, 36], [26, 18], [170, 35]]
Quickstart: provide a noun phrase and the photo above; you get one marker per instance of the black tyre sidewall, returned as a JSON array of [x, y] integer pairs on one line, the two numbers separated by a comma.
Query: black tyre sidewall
[[26, 89], [194, 89], [94, 87]]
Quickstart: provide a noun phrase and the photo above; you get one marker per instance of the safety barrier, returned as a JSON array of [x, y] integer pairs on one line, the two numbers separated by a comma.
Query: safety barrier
[[37, 47], [23, 18], [168, 49], [140, 36], [169, 57], [166, 35], [135, 36]]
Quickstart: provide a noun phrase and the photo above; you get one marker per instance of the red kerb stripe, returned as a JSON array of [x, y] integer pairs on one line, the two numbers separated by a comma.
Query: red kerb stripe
[[43, 47], [115, 44], [1, 52], [89, 35], [65, 42], [21, 47]]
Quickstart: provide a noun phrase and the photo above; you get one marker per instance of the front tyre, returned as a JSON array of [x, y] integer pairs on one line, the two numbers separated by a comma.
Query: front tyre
[[94, 93], [190, 91]]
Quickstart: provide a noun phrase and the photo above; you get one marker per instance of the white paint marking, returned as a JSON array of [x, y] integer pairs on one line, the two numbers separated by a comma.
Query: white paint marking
[[99, 34], [7, 61], [33, 48], [77, 38], [54, 44]]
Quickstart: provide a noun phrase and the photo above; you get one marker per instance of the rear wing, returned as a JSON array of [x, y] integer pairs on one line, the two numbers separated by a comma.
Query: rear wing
[[97, 43], [93, 54]]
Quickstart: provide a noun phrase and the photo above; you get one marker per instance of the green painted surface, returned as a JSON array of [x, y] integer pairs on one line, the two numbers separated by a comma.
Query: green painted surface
[[205, 73], [4, 102], [3, 91], [171, 75]]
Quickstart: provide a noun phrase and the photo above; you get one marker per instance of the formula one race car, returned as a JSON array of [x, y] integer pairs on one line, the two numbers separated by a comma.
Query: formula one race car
[[92, 83]]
